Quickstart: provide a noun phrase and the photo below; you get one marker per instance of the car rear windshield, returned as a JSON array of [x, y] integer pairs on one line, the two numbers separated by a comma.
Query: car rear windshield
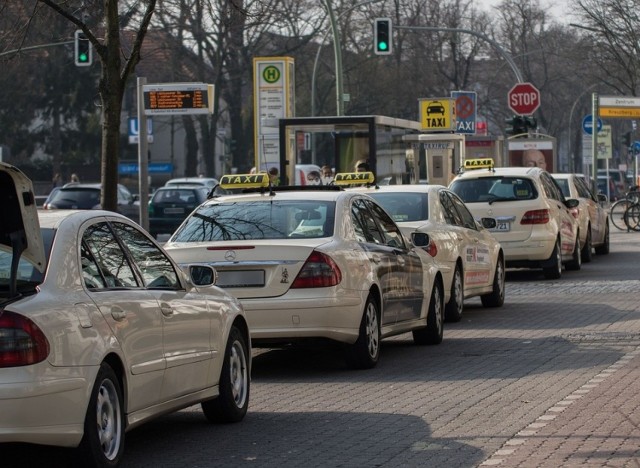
[[184, 196], [80, 198], [404, 206], [258, 220], [490, 189]]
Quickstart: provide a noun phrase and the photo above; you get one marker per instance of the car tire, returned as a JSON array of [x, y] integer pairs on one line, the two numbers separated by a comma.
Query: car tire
[[603, 249], [576, 257], [434, 331], [587, 248], [233, 401], [102, 444], [496, 297], [365, 352], [453, 309], [553, 267]]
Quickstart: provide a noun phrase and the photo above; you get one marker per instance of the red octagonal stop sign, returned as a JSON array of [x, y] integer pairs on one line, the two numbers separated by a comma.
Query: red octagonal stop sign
[[524, 99]]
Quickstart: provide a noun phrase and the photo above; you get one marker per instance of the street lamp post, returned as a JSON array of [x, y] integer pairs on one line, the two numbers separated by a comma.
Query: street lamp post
[[338, 56]]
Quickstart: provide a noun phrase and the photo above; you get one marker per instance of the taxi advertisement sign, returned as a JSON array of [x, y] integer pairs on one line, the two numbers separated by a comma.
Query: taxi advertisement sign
[[437, 114]]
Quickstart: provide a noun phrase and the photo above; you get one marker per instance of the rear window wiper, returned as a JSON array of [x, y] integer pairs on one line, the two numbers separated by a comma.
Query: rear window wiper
[[501, 199]]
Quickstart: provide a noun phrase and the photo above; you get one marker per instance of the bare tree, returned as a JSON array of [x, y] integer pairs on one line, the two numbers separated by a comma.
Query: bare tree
[[103, 23]]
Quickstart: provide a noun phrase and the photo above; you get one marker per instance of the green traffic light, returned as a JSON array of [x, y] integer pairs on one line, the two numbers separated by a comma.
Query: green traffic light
[[83, 57], [382, 46]]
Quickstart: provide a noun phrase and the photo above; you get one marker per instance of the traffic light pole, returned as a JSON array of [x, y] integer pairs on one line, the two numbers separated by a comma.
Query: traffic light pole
[[338, 53], [41, 46], [500, 50]]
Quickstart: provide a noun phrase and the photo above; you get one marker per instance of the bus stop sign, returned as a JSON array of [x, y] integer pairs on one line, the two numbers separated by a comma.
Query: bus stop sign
[[524, 99]]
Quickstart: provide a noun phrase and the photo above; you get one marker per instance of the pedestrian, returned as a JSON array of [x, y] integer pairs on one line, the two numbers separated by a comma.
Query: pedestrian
[[57, 180], [273, 176], [75, 178]]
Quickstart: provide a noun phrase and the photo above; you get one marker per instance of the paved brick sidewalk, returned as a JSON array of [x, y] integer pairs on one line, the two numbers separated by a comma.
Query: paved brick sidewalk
[[596, 425]]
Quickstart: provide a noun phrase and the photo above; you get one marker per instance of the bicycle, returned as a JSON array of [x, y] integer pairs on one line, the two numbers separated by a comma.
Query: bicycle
[[623, 219]]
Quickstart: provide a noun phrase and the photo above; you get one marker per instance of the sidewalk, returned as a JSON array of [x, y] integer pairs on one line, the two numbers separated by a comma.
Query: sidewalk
[[597, 425]]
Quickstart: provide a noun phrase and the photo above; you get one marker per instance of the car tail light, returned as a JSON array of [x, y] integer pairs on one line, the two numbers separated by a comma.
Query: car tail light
[[22, 343], [536, 217], [575, 212], [432, 249], [319, 271]]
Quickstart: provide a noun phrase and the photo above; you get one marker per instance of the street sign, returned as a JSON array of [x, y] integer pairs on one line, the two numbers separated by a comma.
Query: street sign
[[437, 114], [587, 124], [465, 102], [621, 107], [524, 99], [178, 98]]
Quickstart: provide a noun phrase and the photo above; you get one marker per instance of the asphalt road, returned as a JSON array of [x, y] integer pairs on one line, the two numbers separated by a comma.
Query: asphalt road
[[492, 394]]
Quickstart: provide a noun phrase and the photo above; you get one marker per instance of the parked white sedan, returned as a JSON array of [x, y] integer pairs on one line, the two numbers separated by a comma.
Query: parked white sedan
[[592, 214], [469, 256], [100, 330], [315, 263]]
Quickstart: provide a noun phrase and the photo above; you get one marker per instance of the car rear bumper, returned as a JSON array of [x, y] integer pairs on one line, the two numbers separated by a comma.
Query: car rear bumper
[[43, 410], [291, 317], [529, 252]]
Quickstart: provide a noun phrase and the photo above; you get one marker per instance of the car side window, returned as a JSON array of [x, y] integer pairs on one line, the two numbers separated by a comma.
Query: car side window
[[91, 274], [451, 216], [551, 188], [364, 224], [156, 269], [108, 257], [390, 230], [468, 220]]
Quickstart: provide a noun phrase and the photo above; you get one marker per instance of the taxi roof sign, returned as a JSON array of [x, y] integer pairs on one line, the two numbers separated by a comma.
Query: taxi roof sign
[[354, 178], [237, 181], [484, 163]]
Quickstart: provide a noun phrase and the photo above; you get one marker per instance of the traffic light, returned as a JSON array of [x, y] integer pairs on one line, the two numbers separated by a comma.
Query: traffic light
[[517, 125], [382, 36], [83, 50], [626, 139]]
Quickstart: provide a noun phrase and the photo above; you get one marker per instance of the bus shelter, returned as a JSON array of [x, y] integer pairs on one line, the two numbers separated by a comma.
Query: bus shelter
[[374, 142]]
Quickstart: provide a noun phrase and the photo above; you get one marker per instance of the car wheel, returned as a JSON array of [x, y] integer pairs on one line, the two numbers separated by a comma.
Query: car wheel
[[576, 257], [433, 332], [587, 248], [604, 248], [496, 297], [553, 268], [453, 311], [364, 353], [232, 402], [102, 444]]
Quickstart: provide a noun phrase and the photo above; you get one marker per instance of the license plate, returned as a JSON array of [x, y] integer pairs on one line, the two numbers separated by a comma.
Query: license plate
[[502, 227], [240, 278], [174, 211]]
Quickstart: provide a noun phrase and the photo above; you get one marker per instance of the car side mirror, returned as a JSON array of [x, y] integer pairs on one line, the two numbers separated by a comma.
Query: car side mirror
[[602, 198], [420, 239], [488, 223], [203, 275], [571, 203]]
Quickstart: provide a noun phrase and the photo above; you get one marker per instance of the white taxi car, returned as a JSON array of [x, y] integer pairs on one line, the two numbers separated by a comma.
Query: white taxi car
[[534, 224], [315, 263], [470, 258], [592, 214], [100, 330]]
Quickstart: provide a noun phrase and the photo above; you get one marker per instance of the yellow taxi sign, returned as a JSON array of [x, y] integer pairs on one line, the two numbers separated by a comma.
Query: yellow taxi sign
[[237, 181], [354, 178], [484, 163]]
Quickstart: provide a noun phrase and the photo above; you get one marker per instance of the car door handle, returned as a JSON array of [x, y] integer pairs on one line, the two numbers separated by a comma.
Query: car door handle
[[118, 314], [166, 309]]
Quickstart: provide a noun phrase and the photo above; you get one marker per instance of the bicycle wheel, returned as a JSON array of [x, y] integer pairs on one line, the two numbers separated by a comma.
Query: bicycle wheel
[[632, 217], [617, 212]]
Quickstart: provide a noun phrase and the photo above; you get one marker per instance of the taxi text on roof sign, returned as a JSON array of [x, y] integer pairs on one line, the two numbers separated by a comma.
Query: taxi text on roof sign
[[352, 178], [485, 163], [236, 181]]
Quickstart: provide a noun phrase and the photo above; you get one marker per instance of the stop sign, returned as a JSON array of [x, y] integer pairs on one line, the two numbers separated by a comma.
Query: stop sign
[[524, 99]]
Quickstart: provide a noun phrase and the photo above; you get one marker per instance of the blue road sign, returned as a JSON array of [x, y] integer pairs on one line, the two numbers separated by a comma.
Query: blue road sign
[[587, 124]]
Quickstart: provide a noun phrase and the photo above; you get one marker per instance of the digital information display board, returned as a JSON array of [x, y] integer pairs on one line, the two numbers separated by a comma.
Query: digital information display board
[[190, 98]]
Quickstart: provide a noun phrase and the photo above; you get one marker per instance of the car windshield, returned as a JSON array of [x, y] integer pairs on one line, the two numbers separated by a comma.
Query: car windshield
[[404, 206], [28, 275], [258, 220], [81, 198], [491, 189]]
